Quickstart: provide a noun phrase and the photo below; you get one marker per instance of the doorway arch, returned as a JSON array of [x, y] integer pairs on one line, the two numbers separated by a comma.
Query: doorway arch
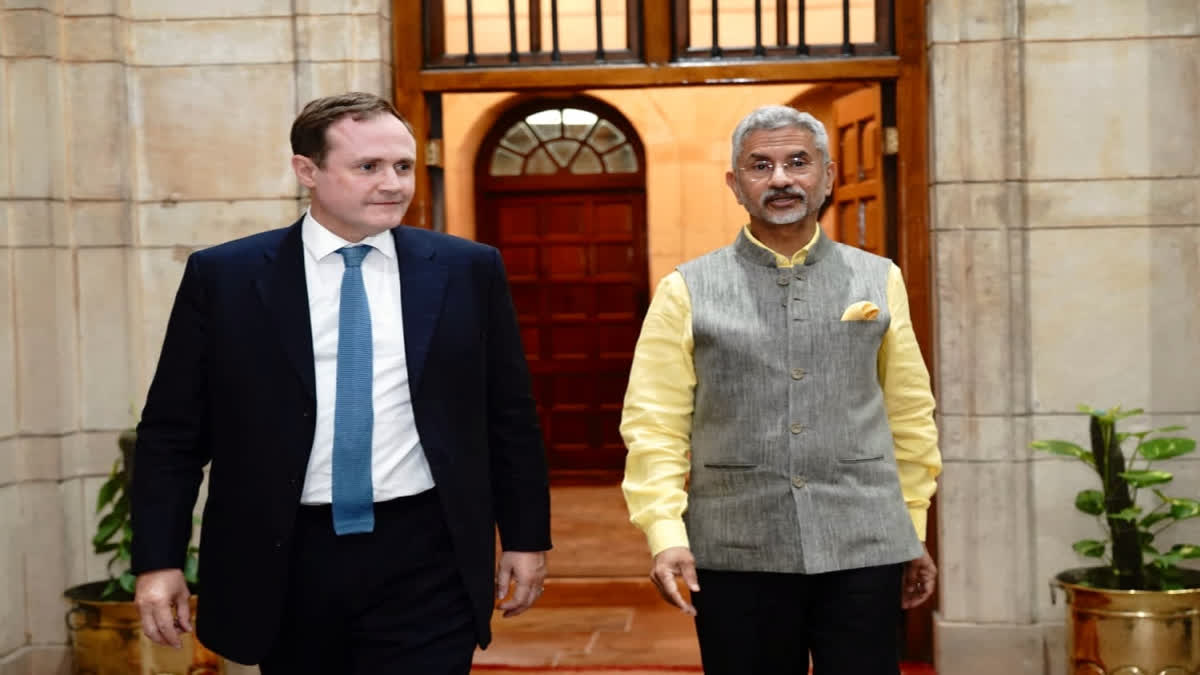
[[561, 192]]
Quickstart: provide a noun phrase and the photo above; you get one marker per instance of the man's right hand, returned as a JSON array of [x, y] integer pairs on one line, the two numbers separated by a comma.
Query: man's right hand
[[676, 561], [162, 600]]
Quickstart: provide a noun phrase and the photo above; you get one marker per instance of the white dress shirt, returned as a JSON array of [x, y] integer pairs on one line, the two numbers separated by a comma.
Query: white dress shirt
[[398, 463]]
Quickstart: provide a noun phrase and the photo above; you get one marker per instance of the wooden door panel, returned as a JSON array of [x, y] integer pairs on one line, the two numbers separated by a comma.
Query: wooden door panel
[[858, 195], [577, 266]]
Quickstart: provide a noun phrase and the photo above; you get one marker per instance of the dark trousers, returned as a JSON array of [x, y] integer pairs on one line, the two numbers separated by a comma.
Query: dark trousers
[[762, 623], [391, 601]]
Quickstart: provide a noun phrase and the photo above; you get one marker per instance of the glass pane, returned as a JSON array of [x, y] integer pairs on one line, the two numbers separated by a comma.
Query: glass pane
[[586, 162], [621, 160], [562, 151], [547, 124], [540, 163], [519, 138], [505, 163], [605, 136], [577, 123]]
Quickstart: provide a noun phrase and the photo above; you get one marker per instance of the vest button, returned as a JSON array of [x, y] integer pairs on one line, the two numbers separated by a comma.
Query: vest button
[[798, 481], [783, 281], [797, 373], [797, 428]]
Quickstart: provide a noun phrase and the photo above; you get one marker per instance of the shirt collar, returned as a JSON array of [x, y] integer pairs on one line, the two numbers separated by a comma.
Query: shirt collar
[[782, 260], [319, 242]]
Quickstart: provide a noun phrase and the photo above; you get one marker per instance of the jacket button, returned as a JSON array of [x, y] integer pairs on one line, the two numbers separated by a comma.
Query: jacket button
[[798, 481], [797, 373], [797, 428]]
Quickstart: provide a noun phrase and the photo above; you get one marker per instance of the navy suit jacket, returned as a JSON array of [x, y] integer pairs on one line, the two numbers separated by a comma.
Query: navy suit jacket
[[235, 386]]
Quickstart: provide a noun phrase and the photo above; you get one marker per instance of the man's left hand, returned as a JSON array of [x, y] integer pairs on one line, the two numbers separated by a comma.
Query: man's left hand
[[525, 572], [920, 578]]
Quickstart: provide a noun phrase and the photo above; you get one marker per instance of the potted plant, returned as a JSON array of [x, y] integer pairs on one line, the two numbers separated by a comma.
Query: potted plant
[[1137, 610], [106, 635]]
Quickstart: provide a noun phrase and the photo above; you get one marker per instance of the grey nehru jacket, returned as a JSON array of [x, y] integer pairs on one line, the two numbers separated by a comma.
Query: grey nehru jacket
[[793, 468]]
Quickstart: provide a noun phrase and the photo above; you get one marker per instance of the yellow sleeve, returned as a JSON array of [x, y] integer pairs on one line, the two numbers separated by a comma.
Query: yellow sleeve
[[909, 403], [656, 422]]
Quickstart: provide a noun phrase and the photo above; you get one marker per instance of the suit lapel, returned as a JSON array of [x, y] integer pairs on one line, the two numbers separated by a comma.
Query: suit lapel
[[422, 287], [284, 293]]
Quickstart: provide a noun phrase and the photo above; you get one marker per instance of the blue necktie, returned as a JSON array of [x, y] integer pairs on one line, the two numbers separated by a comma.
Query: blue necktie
[[353, 412]]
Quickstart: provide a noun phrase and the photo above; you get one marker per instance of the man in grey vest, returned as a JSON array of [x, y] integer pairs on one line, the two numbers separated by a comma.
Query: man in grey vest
[[779, 421]]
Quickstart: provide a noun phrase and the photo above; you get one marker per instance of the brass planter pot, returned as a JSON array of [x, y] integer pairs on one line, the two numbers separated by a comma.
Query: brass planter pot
[[106, 639], [1111, 632]]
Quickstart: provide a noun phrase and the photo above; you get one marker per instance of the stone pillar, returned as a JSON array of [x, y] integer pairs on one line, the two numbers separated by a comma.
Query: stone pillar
[[1066, 212]]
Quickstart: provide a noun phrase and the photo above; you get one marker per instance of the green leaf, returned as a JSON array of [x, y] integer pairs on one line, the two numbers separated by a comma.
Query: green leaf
[[1065, 449], [1147, 548], [1186, 551], [106, 548], [1089, 547], [1085, 408], [1168, 559], [1090, 502], [1182, 509], [1166, 448], [107, 491], [1171, 429], [110, 589], [106, 529], [1129, 513], [128, 581], [1118, 414], [1146, 477], [1153, 519]]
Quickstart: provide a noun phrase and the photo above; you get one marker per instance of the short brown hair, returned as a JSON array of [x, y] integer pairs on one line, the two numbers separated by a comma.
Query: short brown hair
[[308, 131]]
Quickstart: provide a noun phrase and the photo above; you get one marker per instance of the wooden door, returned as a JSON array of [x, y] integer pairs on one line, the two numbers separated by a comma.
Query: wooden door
[[856, 140], [577, 266]]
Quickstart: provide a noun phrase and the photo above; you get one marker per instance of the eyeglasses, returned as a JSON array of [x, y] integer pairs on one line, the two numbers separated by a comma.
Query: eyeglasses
[[762, 168]]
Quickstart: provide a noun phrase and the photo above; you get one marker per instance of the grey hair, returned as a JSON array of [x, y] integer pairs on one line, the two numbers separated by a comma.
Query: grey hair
[[773, 117]]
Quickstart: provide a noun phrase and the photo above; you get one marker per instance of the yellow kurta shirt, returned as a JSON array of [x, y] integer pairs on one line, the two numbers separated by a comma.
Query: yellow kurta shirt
[[656, 422]]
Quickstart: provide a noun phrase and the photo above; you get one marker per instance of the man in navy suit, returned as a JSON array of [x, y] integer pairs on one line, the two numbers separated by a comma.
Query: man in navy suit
[[361, 393]]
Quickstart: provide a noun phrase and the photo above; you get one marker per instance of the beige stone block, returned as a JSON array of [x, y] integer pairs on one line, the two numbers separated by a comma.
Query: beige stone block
[[161, 269], [45, 565], [1174, 318], [95, 565], [101, 223], [200, 136], [45, 331], [975, 111], [208, 42], [971, 20], [1089, 305], [106, 394], [977, 206], [8, 380], [93, 38], [5, 148], [13, 530], [77, 545], [976, 315], [18, 662], [1104, 203], [1084, 125], [973, 438], [225, 9], [37, 458], [92, 7], [343, 7], [984, 534], [98, 128], [987, 648], [50, 660], [36, 145], [1066, 20], [198, 224], [91, 453], [37, 222], [28, 33], [340, 38], [48, 5], [315, 80]]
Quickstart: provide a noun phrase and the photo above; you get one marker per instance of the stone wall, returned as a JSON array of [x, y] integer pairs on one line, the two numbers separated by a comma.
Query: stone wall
[[1066, 213], [132, 132]]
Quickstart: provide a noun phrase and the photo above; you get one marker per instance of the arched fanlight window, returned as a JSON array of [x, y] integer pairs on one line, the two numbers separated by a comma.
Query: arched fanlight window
[[566, 140]]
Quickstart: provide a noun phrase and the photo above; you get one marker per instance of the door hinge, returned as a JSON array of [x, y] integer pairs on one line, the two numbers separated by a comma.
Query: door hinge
[[433, 152], [891, 140]]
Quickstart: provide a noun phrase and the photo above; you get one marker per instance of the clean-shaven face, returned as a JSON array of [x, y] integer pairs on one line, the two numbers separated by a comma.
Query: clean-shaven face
[[366, 182]]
